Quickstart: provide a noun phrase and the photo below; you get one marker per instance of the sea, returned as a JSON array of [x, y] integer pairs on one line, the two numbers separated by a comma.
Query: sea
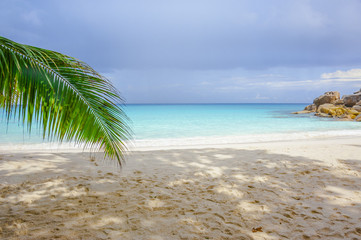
[[201, 124]]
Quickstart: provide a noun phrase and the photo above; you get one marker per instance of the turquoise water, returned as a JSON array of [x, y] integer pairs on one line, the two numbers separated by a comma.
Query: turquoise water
[[177, 121], [198, 120]]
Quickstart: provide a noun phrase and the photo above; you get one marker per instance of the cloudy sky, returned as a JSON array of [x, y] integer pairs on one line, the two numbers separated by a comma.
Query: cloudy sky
[[201, 51]]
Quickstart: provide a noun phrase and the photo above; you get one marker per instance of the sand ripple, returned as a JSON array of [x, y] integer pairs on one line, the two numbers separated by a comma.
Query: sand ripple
[[182, 194]]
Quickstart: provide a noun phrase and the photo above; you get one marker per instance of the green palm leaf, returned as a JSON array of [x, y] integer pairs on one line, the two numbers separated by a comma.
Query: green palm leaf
[[68, 99]]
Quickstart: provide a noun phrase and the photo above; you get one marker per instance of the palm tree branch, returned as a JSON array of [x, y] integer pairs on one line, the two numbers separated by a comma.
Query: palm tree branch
[[64, 74]]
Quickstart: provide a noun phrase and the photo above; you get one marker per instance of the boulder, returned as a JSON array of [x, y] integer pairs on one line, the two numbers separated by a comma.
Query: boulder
[[330, 105], [358, 118], [337, 111], [339, 102], [322, 115], [353, 113], [344, 117], [357, 92], [351, 100], [310, 108], [303, 111], [357, 108], [328, 97], [353, 116], [325, 108]]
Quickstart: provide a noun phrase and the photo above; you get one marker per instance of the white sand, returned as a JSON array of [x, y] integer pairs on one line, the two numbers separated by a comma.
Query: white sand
[[284, 190]]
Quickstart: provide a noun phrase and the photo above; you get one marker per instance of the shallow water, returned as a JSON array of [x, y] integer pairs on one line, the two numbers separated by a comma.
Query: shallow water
[[179, 123]]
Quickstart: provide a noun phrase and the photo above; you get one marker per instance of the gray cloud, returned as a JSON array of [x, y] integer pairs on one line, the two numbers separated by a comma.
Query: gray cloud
[[192, 34], [182, 51]]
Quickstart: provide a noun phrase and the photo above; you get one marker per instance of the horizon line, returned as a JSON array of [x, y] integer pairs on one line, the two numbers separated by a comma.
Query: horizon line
[[208, 103]]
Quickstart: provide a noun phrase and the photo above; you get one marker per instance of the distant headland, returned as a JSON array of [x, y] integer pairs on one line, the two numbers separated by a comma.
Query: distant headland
[[331, 105]]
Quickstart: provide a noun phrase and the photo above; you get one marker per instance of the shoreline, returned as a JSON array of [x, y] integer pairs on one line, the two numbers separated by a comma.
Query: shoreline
[[273, 190], [193, 142]]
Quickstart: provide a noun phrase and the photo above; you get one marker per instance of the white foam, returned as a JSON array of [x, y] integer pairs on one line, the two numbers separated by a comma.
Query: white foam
[[168, 143]]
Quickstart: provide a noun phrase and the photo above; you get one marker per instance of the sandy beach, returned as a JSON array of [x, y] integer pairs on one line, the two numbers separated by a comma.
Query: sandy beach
[[307, 189]]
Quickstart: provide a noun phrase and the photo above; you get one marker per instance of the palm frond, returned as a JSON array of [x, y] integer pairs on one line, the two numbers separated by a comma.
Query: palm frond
[[68, 98]]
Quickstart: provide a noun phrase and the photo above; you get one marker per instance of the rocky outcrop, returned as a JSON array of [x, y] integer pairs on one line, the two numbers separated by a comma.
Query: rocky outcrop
[[301, 112], [357, 92], [328, 97], [337, 111], [311, 108], [330, 105], [351, 100], [339, 102], [356, 108]]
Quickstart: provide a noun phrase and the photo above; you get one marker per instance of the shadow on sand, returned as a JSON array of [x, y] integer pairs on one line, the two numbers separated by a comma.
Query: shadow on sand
[[205, 194]]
